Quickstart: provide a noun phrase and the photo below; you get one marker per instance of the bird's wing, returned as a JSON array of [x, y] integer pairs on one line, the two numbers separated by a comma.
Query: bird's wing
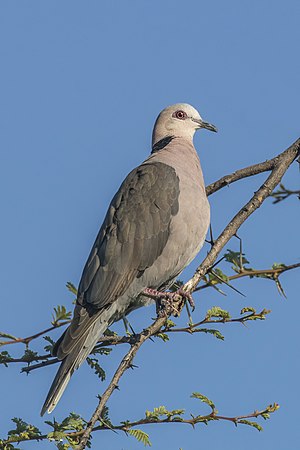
[[133, 235]]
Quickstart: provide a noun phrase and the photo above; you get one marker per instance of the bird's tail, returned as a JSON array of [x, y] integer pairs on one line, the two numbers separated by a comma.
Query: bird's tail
[[78, 348]]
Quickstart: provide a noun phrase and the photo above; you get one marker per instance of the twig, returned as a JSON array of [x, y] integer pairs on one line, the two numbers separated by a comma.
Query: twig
[[28, 339], [49, 362], [283, 193], [263, 273], [192, 328], [249, 171]]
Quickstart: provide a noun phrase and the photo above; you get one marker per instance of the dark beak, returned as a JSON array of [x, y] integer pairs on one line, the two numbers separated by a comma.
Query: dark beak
[[206, 125]]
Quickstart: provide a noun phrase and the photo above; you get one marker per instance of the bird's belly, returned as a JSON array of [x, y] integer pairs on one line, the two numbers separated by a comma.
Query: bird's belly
[[187, 234]]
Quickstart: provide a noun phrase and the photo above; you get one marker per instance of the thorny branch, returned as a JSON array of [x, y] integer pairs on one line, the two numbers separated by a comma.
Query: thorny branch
[[172, 417], [272, 274], [278, 167], [48, 360]]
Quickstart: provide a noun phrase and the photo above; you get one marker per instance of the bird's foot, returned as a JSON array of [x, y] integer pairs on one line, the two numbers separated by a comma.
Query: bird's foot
[[170, 303]]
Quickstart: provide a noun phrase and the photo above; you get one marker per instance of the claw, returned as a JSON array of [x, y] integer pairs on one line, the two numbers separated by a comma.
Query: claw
[[166, 301], [187, 296]]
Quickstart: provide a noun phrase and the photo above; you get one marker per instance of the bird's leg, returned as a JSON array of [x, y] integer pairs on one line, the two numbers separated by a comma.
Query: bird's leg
[[168, 302]]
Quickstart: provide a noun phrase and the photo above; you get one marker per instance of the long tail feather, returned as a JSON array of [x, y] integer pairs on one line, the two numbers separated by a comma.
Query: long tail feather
[[71, 362]]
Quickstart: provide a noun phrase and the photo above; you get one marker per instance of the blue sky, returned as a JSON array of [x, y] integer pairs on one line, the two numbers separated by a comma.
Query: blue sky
[[81, 85]]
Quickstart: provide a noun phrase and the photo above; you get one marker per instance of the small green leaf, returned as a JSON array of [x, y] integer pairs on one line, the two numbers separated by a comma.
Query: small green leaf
[[156, 413], [163, 336], [173, 415], [216, 311], [70, 286], [215, 333], [7, 336], [251, 424], [237, 259], [254, 315], [272, 408], [49, 348], [73, 422], [62, 446], [94, 364], [23, 430], [141, 436], [279, 266], [30, 356], [170, 324], [203, 399], [248, 309], [7, 446], [5, 358], [60, 313]]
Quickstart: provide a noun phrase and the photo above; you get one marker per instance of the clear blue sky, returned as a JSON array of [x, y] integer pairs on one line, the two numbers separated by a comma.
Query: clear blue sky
[[81, 85]]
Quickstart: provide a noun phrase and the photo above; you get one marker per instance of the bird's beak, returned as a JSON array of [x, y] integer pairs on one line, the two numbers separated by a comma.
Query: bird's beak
[[206, 125]]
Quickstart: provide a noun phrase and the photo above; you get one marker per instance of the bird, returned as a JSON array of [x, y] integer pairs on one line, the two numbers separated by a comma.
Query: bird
[[154, 227]]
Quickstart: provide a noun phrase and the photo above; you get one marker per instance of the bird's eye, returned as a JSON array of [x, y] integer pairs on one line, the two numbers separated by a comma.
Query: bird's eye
[[180, 115]]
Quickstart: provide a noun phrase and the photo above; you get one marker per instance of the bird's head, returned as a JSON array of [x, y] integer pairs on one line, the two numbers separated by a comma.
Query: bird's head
[[179, 120]]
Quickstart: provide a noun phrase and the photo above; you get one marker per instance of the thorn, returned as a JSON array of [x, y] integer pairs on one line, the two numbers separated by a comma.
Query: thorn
[[189, 314], [133, 366], [227, 284], [241, 252], [216, 263]]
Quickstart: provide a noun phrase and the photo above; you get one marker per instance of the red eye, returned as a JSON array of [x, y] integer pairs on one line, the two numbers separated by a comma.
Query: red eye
[[180, 115]]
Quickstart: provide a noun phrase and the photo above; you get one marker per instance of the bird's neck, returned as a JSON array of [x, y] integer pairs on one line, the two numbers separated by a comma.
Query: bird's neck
[[161, 133], [177, 150]]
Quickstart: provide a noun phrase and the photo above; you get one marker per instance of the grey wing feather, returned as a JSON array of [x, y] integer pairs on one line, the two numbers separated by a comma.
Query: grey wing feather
[[133, 235]]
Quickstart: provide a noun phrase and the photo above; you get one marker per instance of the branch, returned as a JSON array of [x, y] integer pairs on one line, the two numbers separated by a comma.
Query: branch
[[279, 166], [283, 193], [214, 316], [249, 171], [221, 318], [160, 415], [272, 274], [28, 339]]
